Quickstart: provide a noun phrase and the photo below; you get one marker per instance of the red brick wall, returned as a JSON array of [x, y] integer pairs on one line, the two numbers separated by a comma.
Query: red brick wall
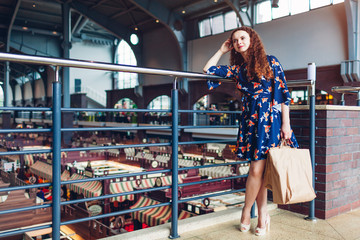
[[337, 157]]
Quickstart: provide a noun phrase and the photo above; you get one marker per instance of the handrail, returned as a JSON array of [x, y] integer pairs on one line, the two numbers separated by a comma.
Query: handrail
[[100, 66], [124, 68], [347, 90]]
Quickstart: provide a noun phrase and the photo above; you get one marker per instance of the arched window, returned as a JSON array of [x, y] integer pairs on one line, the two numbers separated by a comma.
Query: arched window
[[125, 55], [125, 103], [125, 117], [161, 102]]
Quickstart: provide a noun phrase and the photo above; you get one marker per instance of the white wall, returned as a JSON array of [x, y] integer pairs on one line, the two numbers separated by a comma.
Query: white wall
[[94, 79], [318, 36]]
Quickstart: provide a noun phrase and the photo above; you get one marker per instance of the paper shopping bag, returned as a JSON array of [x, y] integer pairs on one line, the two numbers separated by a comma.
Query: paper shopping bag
[[288, 175]]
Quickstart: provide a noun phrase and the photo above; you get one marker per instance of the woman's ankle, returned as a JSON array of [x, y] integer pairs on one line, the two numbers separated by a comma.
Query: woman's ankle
[[245, 215]]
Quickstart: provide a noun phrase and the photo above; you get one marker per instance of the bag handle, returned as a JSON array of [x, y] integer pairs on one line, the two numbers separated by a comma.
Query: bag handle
[[284, 143]]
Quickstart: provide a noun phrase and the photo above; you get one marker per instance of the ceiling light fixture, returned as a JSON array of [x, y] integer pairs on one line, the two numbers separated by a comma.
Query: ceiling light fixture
[[157, 21], [25, 28], [136, 29], [54, 32], [183, 12]]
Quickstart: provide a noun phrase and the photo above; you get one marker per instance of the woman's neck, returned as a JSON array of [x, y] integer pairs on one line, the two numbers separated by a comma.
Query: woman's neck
[[245, 56]]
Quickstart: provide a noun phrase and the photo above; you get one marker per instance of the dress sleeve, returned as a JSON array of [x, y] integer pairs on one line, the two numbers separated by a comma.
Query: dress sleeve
[[221, 71], [280, 90]]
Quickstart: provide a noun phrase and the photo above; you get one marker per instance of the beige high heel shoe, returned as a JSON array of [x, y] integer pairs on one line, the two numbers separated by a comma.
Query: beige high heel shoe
[[262, 231]]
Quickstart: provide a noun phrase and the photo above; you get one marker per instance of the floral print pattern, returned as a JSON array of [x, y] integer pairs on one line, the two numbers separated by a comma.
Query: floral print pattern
[[260, 121]]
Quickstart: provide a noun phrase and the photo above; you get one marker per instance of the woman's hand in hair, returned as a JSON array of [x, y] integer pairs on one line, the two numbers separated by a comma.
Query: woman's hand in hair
[[226, 46]]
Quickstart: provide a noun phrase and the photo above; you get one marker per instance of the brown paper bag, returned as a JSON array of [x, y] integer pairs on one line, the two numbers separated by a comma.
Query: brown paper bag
[[288, 175]]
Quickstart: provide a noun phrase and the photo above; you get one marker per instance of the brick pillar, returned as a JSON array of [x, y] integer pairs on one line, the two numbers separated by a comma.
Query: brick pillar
[[337, 157]]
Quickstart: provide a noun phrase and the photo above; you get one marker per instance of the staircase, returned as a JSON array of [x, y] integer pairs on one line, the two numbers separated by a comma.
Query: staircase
[[92, 94]]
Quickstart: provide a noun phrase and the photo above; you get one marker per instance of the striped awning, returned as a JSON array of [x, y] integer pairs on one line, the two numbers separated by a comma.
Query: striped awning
[[28, 158], [154, 216], [88, 189], [147, 182], [167, 180], [185, 214], [65, 175], [140, 215], [121, 187], [143, 202], [42, 169]]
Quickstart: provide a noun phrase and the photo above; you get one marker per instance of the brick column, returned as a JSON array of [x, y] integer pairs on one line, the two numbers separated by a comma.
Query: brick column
[[337, 157]]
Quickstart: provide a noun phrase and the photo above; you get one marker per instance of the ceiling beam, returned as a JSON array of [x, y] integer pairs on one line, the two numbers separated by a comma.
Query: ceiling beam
[[234, 4], [128, 13], [116, 15], [158, 11], [208, 11], [104, 21], [192, 3], [98, 4]]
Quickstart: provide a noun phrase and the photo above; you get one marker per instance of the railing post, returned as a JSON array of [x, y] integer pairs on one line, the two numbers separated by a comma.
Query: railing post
[[342, 101], [312, 76], [56, 162], [252, 212], [358, 99], [175, 169]]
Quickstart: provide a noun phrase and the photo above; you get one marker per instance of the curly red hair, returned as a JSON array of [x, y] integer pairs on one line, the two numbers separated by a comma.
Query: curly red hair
[[257, 63]]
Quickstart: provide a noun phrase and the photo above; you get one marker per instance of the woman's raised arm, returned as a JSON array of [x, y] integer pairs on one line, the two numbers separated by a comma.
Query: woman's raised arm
[[225, 47]]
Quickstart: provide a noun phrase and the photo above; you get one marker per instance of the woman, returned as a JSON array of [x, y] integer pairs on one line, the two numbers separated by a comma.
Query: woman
[[265, 114]]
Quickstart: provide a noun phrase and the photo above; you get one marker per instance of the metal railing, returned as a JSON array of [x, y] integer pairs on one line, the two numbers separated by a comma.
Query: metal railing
[[57, 149], [347, 90]]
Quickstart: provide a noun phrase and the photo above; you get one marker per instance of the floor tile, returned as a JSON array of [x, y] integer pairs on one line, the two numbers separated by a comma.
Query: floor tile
[[355, 212], [319, 227], [347, 225], [285, 225]]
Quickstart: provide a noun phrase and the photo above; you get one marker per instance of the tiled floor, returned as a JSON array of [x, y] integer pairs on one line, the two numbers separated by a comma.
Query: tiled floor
[[286, 225]]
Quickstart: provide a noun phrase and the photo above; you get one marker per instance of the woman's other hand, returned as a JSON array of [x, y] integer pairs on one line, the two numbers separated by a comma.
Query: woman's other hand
[[285, 132]]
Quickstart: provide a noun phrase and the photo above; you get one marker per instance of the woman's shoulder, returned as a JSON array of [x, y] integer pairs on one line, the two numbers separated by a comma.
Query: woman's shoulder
[[272, 57], [273, 60]]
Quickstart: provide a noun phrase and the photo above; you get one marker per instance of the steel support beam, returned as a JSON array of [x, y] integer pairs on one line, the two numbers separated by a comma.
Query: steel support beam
[[109, 24], [66, 45], [6, 86], [235, 5]]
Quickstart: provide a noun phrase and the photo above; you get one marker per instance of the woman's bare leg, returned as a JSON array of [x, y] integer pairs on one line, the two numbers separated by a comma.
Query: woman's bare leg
[[261, 202], [253, 184]]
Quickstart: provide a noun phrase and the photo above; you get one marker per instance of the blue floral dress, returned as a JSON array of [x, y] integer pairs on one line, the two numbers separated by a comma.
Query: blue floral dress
[[260, 121]]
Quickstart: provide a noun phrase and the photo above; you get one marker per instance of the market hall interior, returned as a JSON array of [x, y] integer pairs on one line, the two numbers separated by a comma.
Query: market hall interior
[[118, 126]]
